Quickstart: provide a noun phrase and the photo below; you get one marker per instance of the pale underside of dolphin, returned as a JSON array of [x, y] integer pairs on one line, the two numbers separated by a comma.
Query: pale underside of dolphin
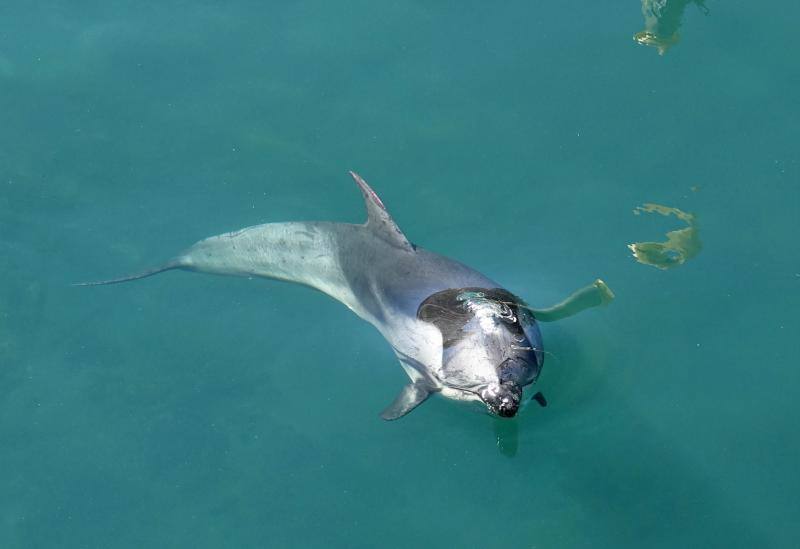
[[455, 331]]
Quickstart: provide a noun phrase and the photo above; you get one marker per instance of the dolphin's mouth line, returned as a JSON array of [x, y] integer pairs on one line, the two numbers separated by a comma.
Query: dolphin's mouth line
[[476, 389], [431, 376]]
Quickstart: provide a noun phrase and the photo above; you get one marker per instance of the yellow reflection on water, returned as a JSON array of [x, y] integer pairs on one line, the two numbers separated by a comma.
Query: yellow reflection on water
[[662, 19], [681, 244]]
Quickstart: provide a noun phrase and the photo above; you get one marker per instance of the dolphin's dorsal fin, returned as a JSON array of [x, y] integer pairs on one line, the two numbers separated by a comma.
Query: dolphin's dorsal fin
[[378, 219]]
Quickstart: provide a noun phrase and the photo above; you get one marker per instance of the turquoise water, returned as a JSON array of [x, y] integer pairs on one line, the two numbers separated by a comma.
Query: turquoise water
[[197, 411]]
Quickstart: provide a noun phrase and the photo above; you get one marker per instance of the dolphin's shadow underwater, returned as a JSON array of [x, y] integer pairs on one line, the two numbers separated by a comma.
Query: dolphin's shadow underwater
[[455, 332]]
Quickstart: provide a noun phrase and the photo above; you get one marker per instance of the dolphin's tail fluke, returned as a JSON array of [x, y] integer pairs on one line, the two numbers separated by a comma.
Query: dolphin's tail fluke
[[174, 264]]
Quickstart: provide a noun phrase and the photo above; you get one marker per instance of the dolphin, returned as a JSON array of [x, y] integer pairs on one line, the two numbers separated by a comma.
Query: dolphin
[[455, 331]]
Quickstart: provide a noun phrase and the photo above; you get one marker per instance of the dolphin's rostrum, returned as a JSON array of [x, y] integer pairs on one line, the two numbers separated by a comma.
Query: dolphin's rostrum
[[455, 331]]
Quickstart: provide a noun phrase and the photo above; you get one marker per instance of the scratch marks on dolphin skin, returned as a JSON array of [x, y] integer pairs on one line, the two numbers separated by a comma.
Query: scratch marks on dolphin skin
[[681, 244], [367, 190], [234, 234]]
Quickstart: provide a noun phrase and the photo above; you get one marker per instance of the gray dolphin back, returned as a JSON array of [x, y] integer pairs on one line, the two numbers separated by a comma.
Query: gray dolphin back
[[321, 255]]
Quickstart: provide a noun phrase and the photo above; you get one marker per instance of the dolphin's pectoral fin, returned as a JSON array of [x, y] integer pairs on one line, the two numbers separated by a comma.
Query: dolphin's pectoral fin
[[593, 295], [411, 396], [540, 400], [378, 219]]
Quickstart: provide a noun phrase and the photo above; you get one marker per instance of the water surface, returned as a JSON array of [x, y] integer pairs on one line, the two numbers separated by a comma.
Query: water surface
[[516, 138]]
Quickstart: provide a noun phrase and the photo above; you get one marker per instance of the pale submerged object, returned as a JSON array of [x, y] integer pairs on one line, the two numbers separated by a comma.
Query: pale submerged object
[[662, 19], [680, 246]]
